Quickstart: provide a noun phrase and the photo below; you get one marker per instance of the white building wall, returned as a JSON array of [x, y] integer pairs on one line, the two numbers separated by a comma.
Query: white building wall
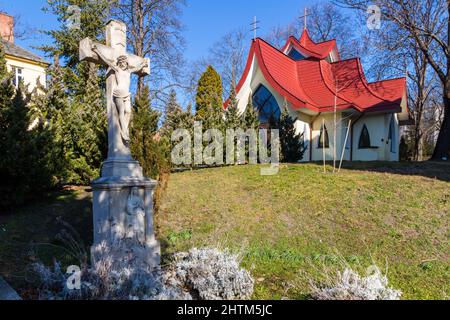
[[317, 154], [378, 126], [31, 72]]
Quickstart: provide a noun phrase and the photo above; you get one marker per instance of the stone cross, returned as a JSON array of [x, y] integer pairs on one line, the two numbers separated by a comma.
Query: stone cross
[[122, 196], [121, 65]]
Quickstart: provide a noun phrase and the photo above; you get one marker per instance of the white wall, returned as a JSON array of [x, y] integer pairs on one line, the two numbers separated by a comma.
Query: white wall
[[31, 72], [378, 126], [317, 154]]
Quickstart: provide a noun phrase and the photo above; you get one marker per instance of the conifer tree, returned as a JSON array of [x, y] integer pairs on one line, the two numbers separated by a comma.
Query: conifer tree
[[292, 144], [6, 92], [234, 119], [89, 130], [209, 94], [84, 134], [251, 119], [173, 112], [147, 145], [48, 110]]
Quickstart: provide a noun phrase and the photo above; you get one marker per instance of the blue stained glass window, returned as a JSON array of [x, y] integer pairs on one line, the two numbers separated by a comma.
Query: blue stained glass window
[[364, 139], [392, 136], [294, 54], [266, 105], [323, 136]]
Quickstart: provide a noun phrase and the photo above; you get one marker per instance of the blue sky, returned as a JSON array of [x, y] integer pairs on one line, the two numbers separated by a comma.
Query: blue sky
[[205, 20]]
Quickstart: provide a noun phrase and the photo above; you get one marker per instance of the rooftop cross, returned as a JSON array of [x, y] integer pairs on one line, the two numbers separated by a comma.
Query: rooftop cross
[[255, 27], [306, 15]]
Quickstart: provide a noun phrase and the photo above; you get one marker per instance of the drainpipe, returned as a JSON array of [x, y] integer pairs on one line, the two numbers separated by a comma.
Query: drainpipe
[[353, 126]]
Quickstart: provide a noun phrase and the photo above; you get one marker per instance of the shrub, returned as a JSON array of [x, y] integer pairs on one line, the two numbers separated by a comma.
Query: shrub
[[200, 274], [349, 285], [212, 275]]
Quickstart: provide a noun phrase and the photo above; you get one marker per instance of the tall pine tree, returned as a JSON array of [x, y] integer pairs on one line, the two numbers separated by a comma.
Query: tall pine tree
[[208, 99], [147, 146], [85, 141], [26, 165], [292, 144], [234, 119]]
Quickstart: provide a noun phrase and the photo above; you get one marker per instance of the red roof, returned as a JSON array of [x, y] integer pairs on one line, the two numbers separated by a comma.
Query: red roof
[[314, 83], [306, 44]]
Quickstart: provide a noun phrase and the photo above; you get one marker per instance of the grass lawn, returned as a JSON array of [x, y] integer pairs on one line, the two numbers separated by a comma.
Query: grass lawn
[[288, 227]]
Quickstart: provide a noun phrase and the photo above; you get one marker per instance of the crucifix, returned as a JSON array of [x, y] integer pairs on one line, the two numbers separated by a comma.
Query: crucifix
[[305, 16], [121, 65], [122, 196], [255, 27]]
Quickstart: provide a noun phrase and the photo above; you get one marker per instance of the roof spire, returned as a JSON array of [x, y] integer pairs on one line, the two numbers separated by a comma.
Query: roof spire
[[306, 15]]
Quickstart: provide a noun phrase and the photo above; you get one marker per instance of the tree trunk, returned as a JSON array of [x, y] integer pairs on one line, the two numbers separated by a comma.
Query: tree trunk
[[443, 144], [140, 85]]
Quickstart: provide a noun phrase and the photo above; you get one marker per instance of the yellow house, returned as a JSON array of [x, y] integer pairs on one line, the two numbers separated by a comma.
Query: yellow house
[[25, 65]]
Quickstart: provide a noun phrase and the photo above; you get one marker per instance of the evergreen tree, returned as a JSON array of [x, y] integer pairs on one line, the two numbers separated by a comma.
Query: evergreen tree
[[292, 144], [251, 119], [172, 119], [93, 16], [84, 127], [6, 92], [48, 107], [26, 165], [209, 94], [88, 131], [147, 146], [234, 119]]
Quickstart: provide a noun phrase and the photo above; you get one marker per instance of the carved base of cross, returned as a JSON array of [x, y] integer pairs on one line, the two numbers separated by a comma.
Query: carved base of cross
[[123, 197], [112, 208]]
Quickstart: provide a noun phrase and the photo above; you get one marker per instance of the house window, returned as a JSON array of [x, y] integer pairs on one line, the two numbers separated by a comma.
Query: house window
[[295, 55], [18, 76], [364, 139], [324, 131], [266, 105], [392, 137]]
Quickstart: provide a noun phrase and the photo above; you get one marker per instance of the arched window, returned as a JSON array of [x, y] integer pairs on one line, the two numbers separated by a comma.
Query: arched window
[[324, 131], [364, 139], [294, 54], [392, 136], [266, 105]]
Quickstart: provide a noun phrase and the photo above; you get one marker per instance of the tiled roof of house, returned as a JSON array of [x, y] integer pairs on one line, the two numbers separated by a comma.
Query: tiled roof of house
[[17, 51], [315, 83]]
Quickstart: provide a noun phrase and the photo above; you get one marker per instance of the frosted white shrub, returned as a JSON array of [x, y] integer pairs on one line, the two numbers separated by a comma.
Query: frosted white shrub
[[349, 285], [212, 275], [129, 279]]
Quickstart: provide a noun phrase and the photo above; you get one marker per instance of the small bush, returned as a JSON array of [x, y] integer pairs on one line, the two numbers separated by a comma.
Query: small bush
[[349, 285], [200, 274], [212, 275]]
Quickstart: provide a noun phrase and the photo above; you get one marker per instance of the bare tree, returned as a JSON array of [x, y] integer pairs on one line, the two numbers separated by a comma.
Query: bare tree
[[394, 54], [281, 33], [155, 31], [427, 23], [325, 21], [227, 55]]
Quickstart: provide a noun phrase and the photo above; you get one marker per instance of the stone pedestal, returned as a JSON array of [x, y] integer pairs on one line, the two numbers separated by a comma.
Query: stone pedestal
[[123, 214]]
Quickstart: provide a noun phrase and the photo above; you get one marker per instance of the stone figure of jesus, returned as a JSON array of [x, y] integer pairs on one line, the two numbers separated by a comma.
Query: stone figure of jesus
[[121, 91], [135, 217]]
